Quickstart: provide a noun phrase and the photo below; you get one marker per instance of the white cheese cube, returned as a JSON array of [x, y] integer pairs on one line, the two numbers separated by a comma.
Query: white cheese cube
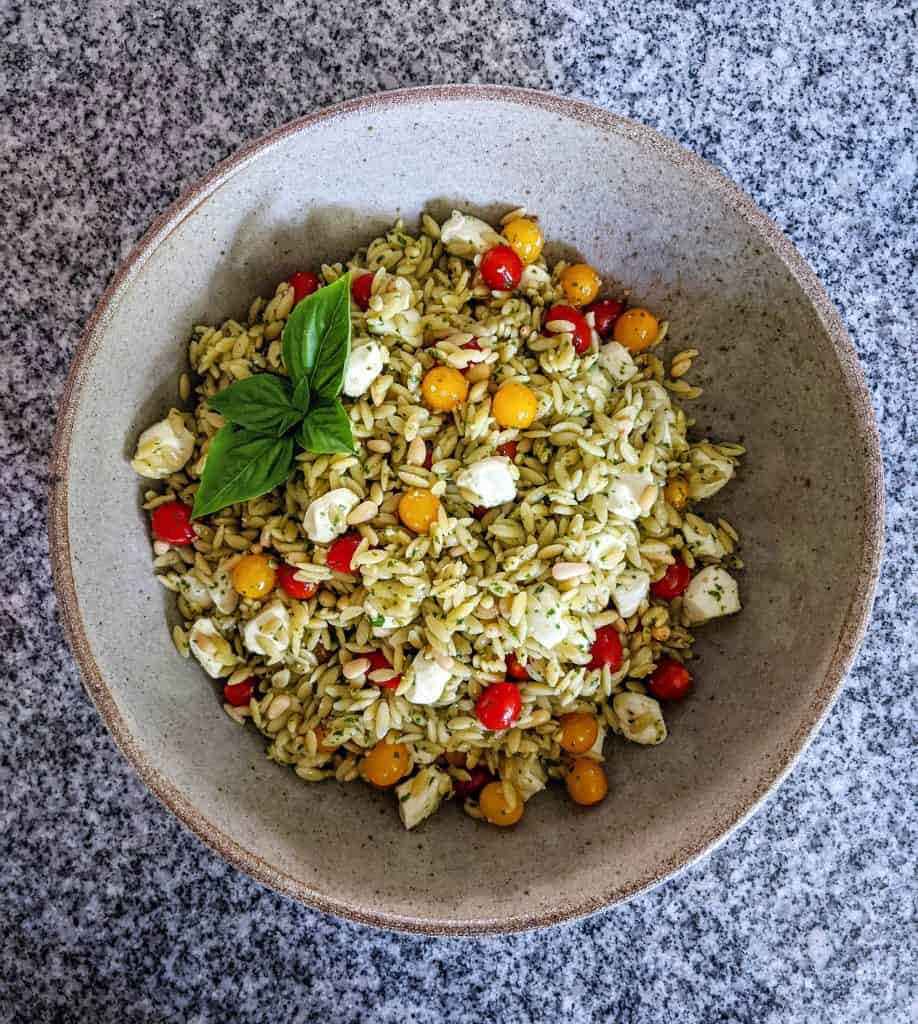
[[546, 622], [701, 538], [490, 482], [268, 633], [534, 278], [625, 492], [467, 236], [364, 365], [421, 795], [640, 718], [713, 592], [630, 589], [326, 517], [211, 649], [709, 472], [427, 680], [164, 448], [526, 773], [616, 360]]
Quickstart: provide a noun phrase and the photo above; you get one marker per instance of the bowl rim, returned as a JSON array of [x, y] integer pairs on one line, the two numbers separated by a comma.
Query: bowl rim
[[851, 633]]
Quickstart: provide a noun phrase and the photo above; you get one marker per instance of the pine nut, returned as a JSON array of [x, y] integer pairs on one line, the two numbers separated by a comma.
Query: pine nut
[[354, 669]]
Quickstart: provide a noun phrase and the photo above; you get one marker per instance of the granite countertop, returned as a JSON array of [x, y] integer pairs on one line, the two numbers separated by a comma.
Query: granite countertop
[[110, 910]]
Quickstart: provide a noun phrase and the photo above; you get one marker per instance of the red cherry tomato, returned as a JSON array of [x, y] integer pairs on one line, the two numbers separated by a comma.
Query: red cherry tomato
[[303, 283], [239, 694], [501, 268], [499, 706], [605, 313], [473, 345], [286, 577], [480, 777], [479, 511], [606, 649], [360, 289], [428, 457], [673, 582], [577, 320], [379, 661], [516, 669], [508, 449], [172, 523], [341, 551], [670, 680]]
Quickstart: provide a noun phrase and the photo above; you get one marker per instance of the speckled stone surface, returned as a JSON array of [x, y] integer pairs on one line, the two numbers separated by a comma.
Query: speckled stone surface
[[110, 910]]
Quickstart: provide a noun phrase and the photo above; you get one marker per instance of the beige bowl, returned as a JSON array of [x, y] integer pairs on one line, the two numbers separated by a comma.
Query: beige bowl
[[781, 375]]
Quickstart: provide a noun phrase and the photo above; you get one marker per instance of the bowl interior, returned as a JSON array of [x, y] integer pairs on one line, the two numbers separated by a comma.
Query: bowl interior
[[652, 219]]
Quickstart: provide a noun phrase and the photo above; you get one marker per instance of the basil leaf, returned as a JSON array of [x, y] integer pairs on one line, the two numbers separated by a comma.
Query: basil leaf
[[317, 339], [301, 396], [241, 465], [326, 429], [263, 403]]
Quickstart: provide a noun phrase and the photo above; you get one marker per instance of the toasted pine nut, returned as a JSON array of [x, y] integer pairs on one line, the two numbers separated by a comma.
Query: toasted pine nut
[[477, 372], [278, 706], [379, 446], [444, 661]]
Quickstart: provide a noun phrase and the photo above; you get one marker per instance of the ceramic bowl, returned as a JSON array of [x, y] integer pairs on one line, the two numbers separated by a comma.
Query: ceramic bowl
[[780, 375]]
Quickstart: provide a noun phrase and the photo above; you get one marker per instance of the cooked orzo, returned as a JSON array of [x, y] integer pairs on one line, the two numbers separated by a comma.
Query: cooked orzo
[[448, 536]]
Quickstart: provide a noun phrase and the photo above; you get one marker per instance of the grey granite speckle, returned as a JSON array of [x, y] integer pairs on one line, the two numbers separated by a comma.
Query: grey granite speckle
[[110, 910]]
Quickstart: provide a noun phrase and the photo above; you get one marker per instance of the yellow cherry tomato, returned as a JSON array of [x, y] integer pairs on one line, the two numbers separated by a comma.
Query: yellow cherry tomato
[[525, 238], [580, 284], [418, 508], [514, 405], [444, 387], [495, 806], [676, 492], [586, 782], [386, 763], [578, 732], [253, 576], [636, 329]]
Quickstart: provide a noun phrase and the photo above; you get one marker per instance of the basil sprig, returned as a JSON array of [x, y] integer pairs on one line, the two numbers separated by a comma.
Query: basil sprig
[[267, 416]]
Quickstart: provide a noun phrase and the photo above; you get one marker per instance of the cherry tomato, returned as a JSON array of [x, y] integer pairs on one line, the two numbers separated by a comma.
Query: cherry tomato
[[577, 320], [172, 523], [378, 662], [253, 576], [303, 283], [605, 313], [580, 284], [606, 649], [586, 782], [636, 329], [341, 551], [464, 788], [670, 680], [418, 509], [525, 238], [386, 763], [516, 669], [499, 706], [514, 405], [673, 582], [361, 287], [501, 268], [495, 807], [508, 450], [578, 732], [239, 694], [286, 576], [472, 345], [676, 492], [428, 454], [444, 388], [479, 511]]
